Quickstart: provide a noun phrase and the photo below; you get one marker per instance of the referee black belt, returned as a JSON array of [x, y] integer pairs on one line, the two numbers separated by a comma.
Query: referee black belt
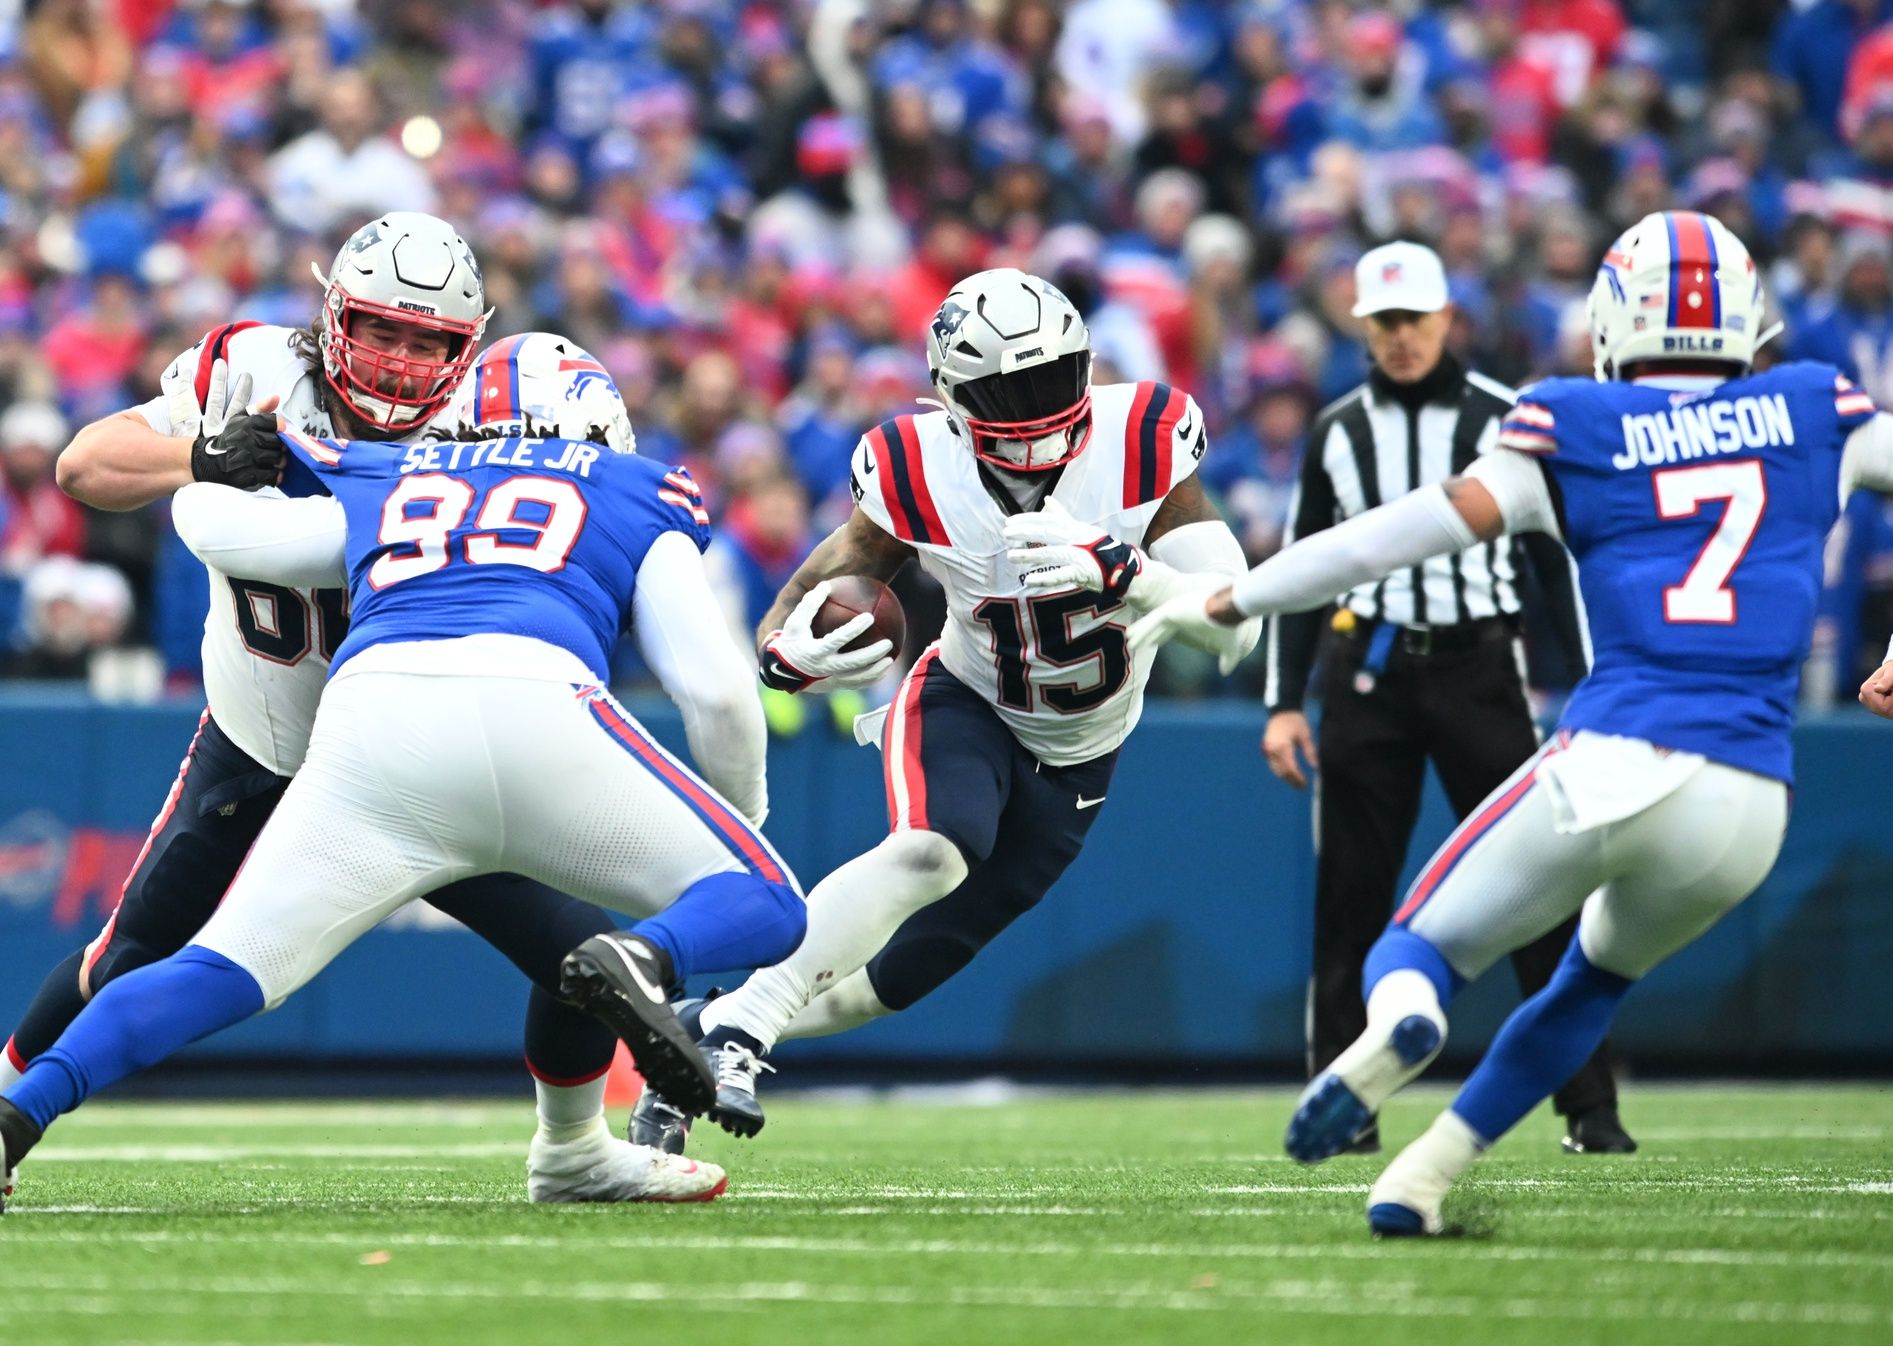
[[1424, 640]]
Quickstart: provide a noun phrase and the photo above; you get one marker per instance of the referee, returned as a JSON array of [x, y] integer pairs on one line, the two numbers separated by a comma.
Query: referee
[[1425, 665]]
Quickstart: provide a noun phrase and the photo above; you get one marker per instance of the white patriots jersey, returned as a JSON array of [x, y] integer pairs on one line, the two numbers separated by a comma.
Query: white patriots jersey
[[1054, 664], [266, 647]]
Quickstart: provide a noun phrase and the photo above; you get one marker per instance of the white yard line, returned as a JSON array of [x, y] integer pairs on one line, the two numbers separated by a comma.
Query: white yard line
[[205, 1153], [1326, 1298], [369, 1240]]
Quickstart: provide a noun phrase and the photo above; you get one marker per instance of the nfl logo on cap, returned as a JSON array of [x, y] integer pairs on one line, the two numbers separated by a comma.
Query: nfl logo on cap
[[1406, 277]]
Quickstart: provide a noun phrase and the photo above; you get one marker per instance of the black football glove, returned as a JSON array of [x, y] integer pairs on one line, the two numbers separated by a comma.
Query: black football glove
[[246, 453]]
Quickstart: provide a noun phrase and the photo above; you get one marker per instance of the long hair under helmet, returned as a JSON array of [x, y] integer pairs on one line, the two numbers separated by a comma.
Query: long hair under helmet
[[1011, 359], [1676, 287], [407, 268]]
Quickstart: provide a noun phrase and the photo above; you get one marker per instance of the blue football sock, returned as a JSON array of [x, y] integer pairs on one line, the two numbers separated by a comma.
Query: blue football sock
[[1542, 1045], [1399, 948], [728, 923], [134, 1022]]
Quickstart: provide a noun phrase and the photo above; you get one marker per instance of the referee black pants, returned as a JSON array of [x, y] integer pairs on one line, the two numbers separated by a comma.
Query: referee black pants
[[1464, 710]]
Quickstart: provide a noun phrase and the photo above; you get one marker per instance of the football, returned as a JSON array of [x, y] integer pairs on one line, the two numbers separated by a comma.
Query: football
[[852, 594]]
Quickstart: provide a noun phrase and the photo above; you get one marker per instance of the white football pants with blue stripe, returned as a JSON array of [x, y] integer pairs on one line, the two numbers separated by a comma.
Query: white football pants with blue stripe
[[1653, 846], [415, 780]]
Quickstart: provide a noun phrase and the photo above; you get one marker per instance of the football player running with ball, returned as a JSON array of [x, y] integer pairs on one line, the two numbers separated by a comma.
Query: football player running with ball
[[1696, 496], [465, 731], [1052, 512]]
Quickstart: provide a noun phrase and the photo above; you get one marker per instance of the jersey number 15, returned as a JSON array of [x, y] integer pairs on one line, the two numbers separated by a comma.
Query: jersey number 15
[[421, 513]]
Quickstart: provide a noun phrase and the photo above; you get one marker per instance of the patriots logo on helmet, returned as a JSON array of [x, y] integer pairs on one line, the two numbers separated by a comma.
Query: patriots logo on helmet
[[947, 321], [365, 238]]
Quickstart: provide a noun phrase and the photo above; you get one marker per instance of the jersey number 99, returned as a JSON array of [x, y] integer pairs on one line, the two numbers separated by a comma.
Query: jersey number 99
[[421, 514]]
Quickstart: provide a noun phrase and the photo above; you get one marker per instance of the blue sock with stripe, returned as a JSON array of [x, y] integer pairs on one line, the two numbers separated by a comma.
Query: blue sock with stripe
[[1542, 1045], [1399, 948], [728, 923], [136, 1021]]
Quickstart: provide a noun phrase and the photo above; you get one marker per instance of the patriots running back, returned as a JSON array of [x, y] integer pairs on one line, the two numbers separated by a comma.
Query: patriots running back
[[1052, 512]]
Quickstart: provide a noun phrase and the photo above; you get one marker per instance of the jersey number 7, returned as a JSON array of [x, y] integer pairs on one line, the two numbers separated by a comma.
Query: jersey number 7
[[1704, 595], [422, 511]]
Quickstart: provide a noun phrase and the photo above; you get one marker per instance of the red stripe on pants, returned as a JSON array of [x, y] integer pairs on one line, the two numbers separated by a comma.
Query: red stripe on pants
[[906, 760]]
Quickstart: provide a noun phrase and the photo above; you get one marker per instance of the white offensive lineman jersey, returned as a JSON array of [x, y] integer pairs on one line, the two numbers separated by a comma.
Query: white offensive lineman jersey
[[1053, 663], [266, 647]]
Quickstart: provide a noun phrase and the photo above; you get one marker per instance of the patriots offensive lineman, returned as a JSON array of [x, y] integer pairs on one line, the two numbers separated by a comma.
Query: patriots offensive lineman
[[465, 730], [1050, 510], [403, 308], [1695, 496]]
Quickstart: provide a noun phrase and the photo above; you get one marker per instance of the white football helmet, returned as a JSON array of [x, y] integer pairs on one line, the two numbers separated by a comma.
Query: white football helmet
[[540, 383], [408, 268], [1012, 361], [1678, 286]]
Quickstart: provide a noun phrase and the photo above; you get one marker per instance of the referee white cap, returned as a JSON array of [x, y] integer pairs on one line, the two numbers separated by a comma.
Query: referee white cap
[[1405, 276]]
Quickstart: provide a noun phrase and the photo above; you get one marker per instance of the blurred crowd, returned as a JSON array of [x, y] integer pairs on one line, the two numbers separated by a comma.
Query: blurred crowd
[[749, 211]]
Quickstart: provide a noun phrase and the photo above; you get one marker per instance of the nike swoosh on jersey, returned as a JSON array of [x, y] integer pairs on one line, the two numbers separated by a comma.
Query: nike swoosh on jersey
[[1084, 803]]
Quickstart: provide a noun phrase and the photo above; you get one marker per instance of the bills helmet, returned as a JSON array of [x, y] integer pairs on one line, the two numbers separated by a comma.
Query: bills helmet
[[407, 268], [1011, 359], [540, 383], [1677, 286]]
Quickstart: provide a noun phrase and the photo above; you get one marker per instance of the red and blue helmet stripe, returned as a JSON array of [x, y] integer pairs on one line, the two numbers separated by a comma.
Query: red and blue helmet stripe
[[1695, 297], [496, 383]]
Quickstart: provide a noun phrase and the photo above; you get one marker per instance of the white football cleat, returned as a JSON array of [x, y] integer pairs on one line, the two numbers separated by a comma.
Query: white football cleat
[[595, 1165], [1343, 1100], [1405, 1202]]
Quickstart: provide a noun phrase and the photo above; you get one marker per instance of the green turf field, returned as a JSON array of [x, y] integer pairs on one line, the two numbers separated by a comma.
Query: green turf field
[[1754, 1215]]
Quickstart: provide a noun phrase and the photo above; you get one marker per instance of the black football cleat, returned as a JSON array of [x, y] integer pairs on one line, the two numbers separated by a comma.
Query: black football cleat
[[738, 1062], [654, 1121], [18, 1134], [1599, 1131], [620, 979], [1367, 1142]]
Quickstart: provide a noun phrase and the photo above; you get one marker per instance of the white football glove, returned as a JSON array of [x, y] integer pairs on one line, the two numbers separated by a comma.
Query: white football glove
[[1056, 550], [221, 402], [795, 659], [1184, 617]]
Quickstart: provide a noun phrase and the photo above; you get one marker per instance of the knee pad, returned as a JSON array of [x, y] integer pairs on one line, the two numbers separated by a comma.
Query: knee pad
[[928, 860], [790, 907]]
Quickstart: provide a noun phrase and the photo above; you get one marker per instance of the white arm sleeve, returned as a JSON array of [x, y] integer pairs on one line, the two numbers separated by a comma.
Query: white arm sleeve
[[681, 632], [266, 536], [1867, 460], [1517, 483], [1202, 555], [1418, 526]]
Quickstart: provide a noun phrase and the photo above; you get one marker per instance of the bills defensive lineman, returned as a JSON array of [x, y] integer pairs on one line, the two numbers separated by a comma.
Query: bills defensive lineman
[[1051, 511], [402, 311], [1695, 496], [465, 731]]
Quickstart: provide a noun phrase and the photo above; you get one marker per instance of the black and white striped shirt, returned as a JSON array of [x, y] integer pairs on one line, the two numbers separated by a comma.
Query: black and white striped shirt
[[1374, 445]]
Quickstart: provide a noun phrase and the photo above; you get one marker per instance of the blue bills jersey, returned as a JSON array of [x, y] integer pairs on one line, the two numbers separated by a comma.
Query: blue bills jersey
[[1697, 520], [528, 537]]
